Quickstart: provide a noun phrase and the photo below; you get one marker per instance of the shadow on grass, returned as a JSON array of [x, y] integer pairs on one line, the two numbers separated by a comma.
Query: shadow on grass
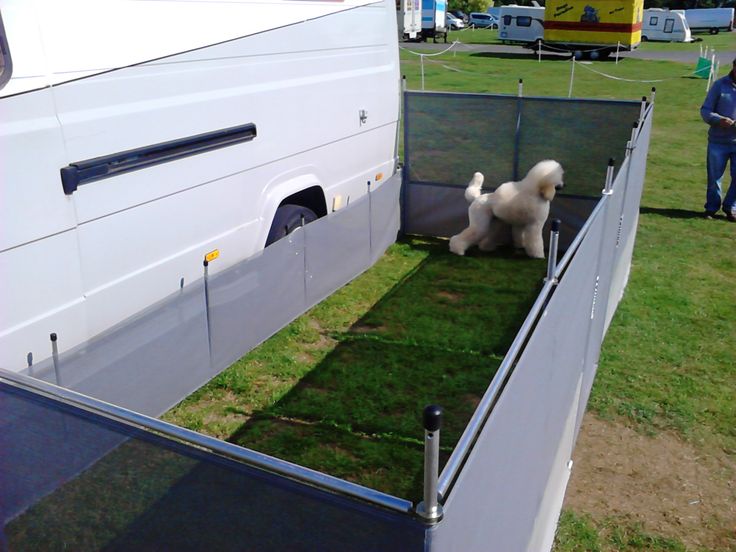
[[437, 337], [671, 213]]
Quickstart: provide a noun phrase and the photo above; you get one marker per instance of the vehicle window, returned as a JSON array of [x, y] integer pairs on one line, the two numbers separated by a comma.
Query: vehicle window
[[6, 66], [507, 20], [669, 25], [653, 20], [524, 21]]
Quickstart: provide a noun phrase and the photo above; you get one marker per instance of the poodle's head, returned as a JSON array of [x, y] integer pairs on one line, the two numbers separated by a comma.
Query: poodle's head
[[546, 177]]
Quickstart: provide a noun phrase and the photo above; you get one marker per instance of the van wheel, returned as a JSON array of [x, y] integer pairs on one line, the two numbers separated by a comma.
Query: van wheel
[[644, 38], [287, 219], [714, 31]]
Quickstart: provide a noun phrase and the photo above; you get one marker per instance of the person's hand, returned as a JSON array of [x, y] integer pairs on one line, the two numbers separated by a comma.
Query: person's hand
[[726, 122]]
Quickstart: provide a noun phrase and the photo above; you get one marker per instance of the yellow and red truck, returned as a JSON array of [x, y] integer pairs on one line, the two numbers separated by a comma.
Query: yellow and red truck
[[592, 28]]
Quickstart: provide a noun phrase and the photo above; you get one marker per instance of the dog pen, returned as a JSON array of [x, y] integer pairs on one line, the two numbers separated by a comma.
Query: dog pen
[[497, 486]]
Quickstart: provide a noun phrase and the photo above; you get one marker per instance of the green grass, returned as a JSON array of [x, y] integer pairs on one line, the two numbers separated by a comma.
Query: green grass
[[342, 388]]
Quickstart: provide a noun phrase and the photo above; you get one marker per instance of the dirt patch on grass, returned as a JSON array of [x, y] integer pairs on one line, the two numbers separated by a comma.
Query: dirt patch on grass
[[449, 296], [362, 328], [673, 488]]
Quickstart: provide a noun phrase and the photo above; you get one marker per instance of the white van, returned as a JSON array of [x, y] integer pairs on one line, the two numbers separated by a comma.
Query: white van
[[138, 136], [665, 25], [521, 24], [712, 20]]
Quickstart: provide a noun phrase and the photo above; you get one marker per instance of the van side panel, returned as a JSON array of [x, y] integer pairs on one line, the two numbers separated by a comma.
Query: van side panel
[[136, 235]]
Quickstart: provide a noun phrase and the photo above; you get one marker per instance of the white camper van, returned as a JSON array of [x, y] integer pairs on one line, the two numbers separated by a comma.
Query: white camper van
[[712, 20], [137, 136], [665, 25], [521, 24]]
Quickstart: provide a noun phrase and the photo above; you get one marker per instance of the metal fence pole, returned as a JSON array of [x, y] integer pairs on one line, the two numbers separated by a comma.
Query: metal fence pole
[[207, 309], [607, 189], [572, 77], [554, 236], [654, 92], [643, 107], [55, 358], [521, 88], [430, 509]]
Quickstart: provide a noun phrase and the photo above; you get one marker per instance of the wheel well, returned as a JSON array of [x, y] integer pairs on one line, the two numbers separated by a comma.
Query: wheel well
[[313, 198]]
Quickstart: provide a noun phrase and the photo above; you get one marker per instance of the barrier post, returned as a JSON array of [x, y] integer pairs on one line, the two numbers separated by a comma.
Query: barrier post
[[654, 92], [206, 264], [572, 76], [608, 188], [55, 358], [430, 509], [520, 93], [618, 47], [554, 236], [421, 64], [643, 107]]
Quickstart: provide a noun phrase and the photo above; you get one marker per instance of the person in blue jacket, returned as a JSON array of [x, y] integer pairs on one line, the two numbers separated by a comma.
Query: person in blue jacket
[[719, 111]]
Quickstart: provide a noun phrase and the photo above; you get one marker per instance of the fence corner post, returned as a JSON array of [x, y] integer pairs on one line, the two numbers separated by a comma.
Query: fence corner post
[[430, 510]]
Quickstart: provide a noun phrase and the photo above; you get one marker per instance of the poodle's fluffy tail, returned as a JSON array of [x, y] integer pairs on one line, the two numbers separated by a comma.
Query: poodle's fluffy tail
[[474, 186]]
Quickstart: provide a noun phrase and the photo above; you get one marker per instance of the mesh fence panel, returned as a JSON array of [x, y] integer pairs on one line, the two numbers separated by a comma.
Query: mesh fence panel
[[581, 134], [153, 360], [74, 480], [448, 137], [146, 364], [528, 437]]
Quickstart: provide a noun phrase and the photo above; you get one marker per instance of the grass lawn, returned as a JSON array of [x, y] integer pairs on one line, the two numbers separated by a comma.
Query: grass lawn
[[667, 363]]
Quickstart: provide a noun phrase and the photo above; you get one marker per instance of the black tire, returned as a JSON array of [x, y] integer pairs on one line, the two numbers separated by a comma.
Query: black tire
[[287, 219], [714, 31], [644, 38]]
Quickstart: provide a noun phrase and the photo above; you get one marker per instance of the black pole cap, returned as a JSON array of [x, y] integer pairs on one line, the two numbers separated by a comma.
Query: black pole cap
[[53, 337], [556, 225], [432, 417], [611, 161], [643, 98], [521, 81], [654, 88], [636, 124], [206, 263]]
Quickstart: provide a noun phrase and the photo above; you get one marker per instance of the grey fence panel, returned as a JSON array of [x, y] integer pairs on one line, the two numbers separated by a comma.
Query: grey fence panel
[[337, 249], [385, 211], [146, 364], [581, 134], [448, 137], [599, 311], [522, 451], [635, 176], [252, 300], [151, 492]]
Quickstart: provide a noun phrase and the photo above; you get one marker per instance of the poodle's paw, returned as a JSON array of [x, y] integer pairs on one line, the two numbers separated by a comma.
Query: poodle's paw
[[535, 253], [457, 245]]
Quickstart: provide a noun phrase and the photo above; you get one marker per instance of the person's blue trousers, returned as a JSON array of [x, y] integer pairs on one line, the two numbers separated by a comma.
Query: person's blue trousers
[[718, 156]]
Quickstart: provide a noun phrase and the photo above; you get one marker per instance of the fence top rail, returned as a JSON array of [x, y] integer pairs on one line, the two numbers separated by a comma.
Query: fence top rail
[[234, 452], [441, 94]]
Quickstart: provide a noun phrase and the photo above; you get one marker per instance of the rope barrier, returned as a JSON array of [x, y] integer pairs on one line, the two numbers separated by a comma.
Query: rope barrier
[[606, 75], [420, 54]]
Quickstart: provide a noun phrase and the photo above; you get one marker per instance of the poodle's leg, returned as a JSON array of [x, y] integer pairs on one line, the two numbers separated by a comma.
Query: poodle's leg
[[517, 234], [480, 219], [533, 242], [499, 233]]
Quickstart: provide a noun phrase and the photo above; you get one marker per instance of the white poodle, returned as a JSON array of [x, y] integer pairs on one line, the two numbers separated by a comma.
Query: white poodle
[[523, 206]]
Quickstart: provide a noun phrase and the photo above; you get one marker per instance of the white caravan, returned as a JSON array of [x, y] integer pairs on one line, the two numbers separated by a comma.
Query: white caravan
[[711, 20], [138, 136], [409, 18], [665, 25], [521, 24]]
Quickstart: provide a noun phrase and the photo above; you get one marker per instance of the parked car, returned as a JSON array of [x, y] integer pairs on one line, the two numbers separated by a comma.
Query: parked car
[[482, 21], [454, 23], [460, 14]]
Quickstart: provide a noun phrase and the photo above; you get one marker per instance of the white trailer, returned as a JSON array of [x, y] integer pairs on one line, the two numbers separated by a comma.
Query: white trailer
[[138, 136], [712, 20], [409, 18], [665, 25], [521, 24], [434, 19]]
